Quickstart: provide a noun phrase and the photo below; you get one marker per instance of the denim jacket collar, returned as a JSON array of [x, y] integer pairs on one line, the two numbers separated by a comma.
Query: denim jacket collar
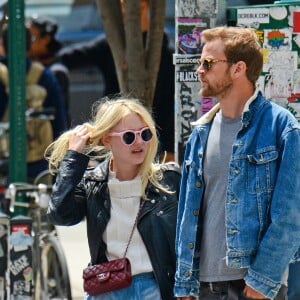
[[206, 118]]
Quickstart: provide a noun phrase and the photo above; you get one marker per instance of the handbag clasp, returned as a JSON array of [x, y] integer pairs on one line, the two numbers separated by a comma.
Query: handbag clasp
[[103, 276]]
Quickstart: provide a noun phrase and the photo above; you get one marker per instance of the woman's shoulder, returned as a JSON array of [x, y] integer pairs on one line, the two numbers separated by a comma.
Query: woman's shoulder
[[170, 167], [97, 170], [171, 173]]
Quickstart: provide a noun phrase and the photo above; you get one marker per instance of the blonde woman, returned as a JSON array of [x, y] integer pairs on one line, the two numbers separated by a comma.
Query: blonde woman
[[123, 140]]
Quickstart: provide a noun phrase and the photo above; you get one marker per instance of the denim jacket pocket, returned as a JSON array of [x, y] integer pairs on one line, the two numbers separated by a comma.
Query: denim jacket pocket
[[261, 170]]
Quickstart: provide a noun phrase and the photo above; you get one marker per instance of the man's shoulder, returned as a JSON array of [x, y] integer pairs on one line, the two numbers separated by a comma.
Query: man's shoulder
[[269, 109], [58, 67], [47, 75]]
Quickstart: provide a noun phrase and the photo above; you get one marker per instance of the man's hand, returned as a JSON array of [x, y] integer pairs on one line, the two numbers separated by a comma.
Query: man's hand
[[252, 294]]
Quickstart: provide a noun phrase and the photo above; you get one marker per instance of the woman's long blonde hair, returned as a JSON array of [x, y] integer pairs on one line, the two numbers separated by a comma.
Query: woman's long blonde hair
[[106, 114]]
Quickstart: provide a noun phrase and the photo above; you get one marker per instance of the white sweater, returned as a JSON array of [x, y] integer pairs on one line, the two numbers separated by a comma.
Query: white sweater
[[125, 199]]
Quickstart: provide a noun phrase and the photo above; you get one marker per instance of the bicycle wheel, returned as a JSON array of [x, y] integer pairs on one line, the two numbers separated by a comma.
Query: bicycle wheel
[[45, 177], [53, 279]]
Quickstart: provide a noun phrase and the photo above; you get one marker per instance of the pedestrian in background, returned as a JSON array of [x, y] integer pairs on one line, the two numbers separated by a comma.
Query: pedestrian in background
[[44, 47], [97, 52], [122, 136], [42, 93], [238, 224]]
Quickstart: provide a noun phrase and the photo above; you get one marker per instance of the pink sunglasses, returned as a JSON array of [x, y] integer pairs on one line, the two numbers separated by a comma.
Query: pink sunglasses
[[128, 137]]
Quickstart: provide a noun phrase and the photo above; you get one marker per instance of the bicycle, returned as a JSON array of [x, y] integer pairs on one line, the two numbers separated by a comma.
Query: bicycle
[[50, 271]]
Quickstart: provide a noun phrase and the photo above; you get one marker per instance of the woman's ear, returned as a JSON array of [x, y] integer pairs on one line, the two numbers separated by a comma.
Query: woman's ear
[[106, 141]]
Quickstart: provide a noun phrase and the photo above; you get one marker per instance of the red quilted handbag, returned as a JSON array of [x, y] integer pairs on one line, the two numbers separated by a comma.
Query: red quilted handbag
[[111, 275], [106, 277]]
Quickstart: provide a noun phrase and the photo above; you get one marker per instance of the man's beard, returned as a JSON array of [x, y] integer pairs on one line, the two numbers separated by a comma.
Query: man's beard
[[217, 90]]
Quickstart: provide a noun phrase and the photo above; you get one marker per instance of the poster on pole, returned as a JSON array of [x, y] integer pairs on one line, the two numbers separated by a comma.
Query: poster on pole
[[278, 28], [192, 17]]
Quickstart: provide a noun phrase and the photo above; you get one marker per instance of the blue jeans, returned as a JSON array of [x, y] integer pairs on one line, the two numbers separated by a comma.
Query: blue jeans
[[294, 281], [143, 287]]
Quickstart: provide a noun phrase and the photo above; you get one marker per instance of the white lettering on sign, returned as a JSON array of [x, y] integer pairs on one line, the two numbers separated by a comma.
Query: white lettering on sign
[[253, 15], [19, 265], [186, 76]]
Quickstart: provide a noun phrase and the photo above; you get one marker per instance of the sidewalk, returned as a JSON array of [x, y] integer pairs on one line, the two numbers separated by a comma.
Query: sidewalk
[[74, 242]]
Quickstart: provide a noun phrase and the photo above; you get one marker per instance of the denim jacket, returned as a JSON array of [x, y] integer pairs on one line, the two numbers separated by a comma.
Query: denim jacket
[[262, 200]]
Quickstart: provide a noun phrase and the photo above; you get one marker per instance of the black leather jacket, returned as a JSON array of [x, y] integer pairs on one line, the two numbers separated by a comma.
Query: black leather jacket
[[81, 193]]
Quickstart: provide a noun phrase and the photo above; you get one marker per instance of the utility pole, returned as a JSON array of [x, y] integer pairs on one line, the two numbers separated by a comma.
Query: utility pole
[[17, 101]]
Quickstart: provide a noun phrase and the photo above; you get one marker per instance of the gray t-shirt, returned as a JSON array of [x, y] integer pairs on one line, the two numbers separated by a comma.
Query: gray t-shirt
[[216, 167]]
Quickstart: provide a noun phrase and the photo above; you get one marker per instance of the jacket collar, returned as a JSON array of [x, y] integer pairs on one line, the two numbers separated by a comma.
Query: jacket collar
[[100, 172], [207, 117]]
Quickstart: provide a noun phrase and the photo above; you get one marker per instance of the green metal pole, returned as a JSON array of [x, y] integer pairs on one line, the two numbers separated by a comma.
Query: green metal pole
[[17, 102]]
